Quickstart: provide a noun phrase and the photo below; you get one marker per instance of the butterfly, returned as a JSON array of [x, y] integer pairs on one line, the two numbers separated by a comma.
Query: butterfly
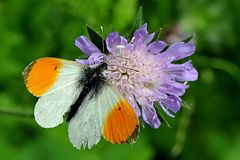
[[83, 96]]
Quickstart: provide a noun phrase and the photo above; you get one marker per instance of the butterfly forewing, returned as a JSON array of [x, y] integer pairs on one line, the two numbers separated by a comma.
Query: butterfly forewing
[[120, 121], [56, 81]]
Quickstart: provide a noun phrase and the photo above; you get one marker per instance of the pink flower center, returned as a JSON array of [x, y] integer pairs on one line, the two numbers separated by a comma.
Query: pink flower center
[[134, 72]]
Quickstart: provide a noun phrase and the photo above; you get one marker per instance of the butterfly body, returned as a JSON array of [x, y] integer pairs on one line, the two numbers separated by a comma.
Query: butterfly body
[[94, 108], [92, 82]]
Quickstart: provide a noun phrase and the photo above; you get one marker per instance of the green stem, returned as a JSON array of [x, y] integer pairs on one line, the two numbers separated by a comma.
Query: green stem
[[182, 132], [16, 113]]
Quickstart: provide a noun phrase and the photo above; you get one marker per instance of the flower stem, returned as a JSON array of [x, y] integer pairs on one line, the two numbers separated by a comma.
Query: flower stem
[[8, 112], [182, 132]]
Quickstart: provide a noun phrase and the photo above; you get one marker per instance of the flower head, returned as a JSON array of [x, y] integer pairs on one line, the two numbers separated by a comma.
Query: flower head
[[143, 71]]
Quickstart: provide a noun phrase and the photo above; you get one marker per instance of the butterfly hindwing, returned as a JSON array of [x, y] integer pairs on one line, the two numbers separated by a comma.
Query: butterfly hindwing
[[84, 129]]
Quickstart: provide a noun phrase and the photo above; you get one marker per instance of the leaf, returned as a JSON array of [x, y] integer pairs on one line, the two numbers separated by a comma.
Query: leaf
[[160, 116], [186, 104], [97, 40], [138, 22], [157, 35], [188, 39]]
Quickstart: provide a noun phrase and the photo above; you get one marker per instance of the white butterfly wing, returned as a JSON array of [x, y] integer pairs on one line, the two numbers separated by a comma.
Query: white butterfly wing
[[84, 129], [50, 108]]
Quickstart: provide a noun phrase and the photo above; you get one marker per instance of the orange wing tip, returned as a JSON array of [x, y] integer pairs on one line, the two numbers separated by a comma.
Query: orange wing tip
[[27, 70], [40, 75], [121, 125]]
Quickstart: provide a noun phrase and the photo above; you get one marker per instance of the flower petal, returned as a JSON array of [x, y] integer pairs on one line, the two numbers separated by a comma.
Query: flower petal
[[150, 116], [113, 40], [123, 40], [148, 112], [86, 46], [166, 110], [174, 88], [172, 103], [183, 72], [189, 73], [134, 105], [149, 38], [156, 47], [96, 58], [141, 35], [180, 50], [82, 61]]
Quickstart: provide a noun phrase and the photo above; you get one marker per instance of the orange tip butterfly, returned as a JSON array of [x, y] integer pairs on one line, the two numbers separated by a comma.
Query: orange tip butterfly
[[91, 105]]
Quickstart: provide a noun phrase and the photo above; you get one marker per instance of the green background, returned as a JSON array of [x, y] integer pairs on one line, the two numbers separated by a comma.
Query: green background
[[30, 29]]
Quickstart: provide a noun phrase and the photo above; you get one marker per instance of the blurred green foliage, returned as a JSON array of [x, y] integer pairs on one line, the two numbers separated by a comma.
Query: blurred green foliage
[[209, 130]]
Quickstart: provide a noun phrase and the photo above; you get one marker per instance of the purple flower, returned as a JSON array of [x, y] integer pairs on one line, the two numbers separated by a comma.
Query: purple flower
[[143, 71]]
